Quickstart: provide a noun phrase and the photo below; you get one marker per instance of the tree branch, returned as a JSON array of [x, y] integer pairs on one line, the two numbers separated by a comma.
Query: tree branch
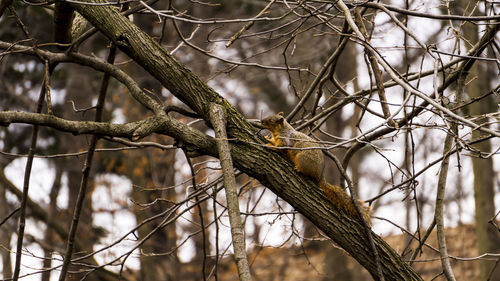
[[439, 214], [26, 184], [233, 207], [82, 192]]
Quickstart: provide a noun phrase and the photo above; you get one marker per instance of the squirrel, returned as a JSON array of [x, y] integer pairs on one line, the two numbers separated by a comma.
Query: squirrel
[[309, 162]]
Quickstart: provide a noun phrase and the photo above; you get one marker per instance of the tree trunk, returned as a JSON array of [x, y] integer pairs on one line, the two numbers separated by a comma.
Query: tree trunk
[[161, 177], [50, 235], [6, 231], [488, 238]]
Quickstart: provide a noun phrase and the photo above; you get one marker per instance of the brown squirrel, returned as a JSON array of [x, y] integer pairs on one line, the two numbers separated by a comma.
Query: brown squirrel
[[309, 162]]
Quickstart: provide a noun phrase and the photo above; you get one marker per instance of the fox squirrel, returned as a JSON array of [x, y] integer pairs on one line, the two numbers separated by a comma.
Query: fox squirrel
[[309, 162]]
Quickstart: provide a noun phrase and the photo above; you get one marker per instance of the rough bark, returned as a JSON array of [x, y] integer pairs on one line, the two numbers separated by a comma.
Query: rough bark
[[6, 231], [488, 238], [233, 206], [439, 210]]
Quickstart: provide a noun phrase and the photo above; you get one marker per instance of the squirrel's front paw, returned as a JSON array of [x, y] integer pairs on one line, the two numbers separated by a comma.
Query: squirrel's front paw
[[271, 140]]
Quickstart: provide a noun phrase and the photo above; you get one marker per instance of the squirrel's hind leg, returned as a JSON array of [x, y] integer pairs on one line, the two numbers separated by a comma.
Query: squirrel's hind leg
[[310, 164]]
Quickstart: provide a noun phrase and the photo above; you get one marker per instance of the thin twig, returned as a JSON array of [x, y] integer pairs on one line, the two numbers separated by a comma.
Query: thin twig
[[209, 54], [46, 84], [427, 15], [216, 222], [422, 241], [330, 62], [27, 174], [10, 215], [377, 73], [200, 214], [248, 25]]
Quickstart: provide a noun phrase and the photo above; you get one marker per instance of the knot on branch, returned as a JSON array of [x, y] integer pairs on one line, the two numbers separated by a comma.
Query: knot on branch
[[147, 127], [122, 40], [190, 150]]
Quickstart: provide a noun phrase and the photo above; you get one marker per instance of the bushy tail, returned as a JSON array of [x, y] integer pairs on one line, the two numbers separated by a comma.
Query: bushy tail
[[339, 197]]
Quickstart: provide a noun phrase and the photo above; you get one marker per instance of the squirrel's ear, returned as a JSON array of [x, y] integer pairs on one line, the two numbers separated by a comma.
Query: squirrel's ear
[[281, 119]]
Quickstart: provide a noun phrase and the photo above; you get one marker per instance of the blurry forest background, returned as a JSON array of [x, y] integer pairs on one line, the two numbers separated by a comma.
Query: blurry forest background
[[152, 211]]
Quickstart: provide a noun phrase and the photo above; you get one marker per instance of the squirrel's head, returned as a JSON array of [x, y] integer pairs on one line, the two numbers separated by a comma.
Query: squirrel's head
[[273, 122]]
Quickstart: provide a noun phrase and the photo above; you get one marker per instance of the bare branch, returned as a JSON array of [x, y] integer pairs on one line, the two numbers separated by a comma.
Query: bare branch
[[218, 121], [439, 214], [26, 184], [86, 171]]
